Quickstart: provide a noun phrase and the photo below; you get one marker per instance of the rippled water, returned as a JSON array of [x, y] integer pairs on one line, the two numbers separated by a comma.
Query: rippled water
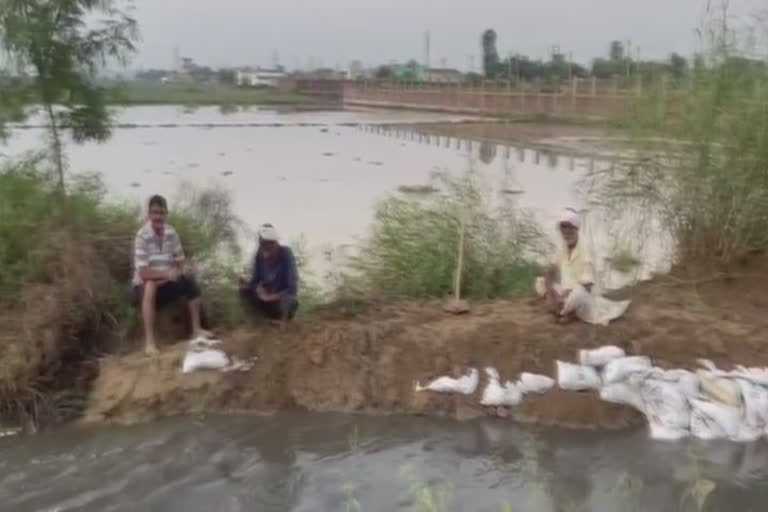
[[314, 462]]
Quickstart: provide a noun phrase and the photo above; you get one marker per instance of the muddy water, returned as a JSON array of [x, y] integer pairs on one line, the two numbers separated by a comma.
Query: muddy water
[[318, 175], [308, 462]]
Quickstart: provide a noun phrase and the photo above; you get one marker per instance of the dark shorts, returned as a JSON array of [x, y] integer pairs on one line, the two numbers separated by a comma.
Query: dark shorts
[[185, 288], [286, 307]]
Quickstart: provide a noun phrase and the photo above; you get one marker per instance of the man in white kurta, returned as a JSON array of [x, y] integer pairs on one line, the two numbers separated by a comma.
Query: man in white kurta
[[570, 278]]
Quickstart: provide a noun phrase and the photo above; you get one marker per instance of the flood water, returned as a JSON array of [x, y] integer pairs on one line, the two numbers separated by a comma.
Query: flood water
[[318, 175], [314, 462]]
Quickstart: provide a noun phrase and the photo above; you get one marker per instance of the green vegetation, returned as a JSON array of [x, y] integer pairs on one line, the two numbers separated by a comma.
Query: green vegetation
[[134, 93], [700, 163], [412, 250], [68, 273], [66, 42]]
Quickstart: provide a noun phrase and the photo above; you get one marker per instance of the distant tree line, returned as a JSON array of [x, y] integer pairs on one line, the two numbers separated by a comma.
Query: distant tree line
[[618, 63]]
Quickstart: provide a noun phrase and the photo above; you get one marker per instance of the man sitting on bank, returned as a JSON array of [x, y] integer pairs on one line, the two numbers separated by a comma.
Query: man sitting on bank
[[569, 279], [273, 287], [159, 276]]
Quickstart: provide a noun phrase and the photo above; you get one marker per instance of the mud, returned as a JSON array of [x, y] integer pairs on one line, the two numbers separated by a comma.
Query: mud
[[352, 360]]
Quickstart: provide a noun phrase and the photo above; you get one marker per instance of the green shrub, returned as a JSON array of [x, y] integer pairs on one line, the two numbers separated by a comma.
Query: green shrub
[[412, 249]]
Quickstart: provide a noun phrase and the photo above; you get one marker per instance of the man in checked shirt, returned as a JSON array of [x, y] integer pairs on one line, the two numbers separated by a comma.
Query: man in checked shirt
[[159, 277]]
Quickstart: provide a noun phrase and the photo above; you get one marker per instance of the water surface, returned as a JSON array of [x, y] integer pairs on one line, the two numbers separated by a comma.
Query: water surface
[[313, 462]]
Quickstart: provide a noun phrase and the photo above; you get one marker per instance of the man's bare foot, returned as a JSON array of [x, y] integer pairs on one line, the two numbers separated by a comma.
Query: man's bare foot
[[151, 349]]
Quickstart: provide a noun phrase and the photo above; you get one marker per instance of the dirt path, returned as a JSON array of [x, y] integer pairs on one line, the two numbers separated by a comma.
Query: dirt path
[[368, 361]]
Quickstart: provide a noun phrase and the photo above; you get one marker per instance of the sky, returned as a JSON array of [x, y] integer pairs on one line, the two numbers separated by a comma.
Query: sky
[[332, 33]]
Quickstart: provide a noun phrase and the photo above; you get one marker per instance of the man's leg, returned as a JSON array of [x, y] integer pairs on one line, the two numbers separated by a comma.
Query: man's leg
[[191, 291], [288, 307], [149, 290]]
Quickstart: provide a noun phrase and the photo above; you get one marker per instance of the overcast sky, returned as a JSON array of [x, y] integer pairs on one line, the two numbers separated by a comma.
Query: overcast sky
[[333, 32]]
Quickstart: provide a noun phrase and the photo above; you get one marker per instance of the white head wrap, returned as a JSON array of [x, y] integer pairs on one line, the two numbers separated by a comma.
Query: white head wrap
[[570, 217], [268, 233]]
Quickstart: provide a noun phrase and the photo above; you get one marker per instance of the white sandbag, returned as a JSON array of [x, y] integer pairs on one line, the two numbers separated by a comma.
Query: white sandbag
[[666, 408], [747, 434], [704, 427], [728, 418], [465, 385], [578, 301], [621, 368], [202, 343], [208, 359], [720, 389], [534, 383], [574, 377], [707, 364], [623, 393], [600, 356], [757, 376], [687, 381], [755, 400], [496, 395]]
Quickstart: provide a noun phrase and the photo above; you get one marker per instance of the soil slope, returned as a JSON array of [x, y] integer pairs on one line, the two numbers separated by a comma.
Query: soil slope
[[367, 361]]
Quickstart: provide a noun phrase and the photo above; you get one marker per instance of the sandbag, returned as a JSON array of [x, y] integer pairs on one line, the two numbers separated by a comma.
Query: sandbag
[[578, 302], [666, 408], [703, 426], [534, 383], [208, 359], [755, 400], [495, 394], [465, 385], [574, 377], [726, 417], [623, 393], [687, 381], [723, 390], [600, 356], [619, 369]]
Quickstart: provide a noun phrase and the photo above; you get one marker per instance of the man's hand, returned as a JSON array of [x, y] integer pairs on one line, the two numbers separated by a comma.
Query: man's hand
[[242, 283], [266, 297], [174, 274]]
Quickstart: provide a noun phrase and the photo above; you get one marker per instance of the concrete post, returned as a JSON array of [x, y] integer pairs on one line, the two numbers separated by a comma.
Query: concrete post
[[594, 86]]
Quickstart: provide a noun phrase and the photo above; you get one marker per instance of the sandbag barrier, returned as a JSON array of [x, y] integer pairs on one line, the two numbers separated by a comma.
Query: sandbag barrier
[[708, 404]]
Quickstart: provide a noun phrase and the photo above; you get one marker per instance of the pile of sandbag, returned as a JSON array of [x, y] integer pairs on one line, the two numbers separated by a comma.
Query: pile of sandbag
[[207, 354], [708, 404], [494, 394]]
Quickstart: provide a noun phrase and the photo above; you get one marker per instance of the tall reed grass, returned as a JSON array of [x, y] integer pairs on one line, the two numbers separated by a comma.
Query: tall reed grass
[[412, 248], [699, 158]]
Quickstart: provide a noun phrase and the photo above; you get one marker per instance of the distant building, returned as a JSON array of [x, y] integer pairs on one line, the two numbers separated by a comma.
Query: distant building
[[187, 65], [443, 75], [259, 77], [355, 70]]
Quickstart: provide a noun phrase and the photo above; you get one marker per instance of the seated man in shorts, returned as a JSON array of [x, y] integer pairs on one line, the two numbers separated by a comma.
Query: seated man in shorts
[[159, 276], [273, 286]]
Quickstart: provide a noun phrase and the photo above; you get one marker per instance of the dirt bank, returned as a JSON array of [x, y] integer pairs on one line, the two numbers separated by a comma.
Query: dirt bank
[[367, 361]]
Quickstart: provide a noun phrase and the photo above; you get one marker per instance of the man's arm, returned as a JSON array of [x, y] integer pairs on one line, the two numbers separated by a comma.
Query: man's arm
[[292, 275], [141, 262]]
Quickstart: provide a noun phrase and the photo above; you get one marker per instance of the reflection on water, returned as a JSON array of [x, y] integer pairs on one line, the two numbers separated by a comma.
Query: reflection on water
[[309, 462], [325, 183]]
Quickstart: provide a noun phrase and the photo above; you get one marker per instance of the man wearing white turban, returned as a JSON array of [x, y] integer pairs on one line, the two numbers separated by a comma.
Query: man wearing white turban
[[570, 276]]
